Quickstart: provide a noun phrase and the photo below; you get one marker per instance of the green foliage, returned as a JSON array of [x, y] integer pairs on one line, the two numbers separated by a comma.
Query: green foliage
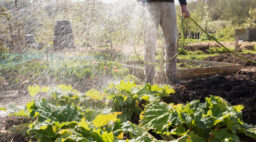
[[109, 69], [33, 69], [250, 22], [66, 95], [20, 130], [219, 50], [71, 69], [131, 78], [108, 55], [225, 34], [22, 113], [62, 117], [74, 131], [80, 70], [156, 117], [214, 119], [199, 52], [182, 51], [2, 109], [46, 110], [94, 94], [195, 55], [137, 133], [224, 135], [204, 37], [63, 71], [130, 98], [67, 115]]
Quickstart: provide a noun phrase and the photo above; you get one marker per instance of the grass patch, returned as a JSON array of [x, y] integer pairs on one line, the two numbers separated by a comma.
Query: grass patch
[[249, 51], [196, 55]]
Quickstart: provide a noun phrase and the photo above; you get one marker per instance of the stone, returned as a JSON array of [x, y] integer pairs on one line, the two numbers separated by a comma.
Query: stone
[[63, 36]]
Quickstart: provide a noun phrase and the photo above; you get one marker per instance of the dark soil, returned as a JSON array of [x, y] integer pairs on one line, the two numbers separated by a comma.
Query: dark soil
[[239, 88], [229, 58], [11, 131]]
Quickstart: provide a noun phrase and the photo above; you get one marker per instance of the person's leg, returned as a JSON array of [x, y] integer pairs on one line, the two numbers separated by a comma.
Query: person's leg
[[151, 22], [169, 27]]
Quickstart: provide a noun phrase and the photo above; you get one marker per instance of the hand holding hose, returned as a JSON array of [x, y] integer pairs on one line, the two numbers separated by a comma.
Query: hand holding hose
[[184, 11]]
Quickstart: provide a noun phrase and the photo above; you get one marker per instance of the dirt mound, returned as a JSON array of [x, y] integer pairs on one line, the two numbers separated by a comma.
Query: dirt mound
[[237, 89], [229, 58], [203, 48], [227, 44], [14, 129]]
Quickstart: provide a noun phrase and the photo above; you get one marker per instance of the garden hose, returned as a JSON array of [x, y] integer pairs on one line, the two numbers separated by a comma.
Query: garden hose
[[183, 43], [216, 40]]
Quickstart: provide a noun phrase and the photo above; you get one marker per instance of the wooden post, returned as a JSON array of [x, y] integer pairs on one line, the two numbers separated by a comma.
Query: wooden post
[[236, 48]]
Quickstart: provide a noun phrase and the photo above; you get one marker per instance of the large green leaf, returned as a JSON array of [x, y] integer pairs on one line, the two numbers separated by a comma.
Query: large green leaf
[[249, 130], [191, 137], [44, 130], [137, 133], [68, 135], [200, 118], [157, 117], [102, 120], [224, 135], [46, 110]]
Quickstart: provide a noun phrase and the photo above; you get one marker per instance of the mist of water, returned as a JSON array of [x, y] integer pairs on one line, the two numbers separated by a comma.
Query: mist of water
[[28, 31]]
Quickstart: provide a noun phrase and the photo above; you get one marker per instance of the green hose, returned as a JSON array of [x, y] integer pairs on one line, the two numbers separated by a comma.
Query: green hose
[[182, 44], [182, 38], [216, 40]]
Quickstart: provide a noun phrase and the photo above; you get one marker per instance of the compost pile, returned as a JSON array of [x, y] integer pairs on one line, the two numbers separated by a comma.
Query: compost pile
[[229, 58], [239, 88]]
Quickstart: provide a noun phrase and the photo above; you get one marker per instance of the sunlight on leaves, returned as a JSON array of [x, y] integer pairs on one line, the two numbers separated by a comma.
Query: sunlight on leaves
[[169, 90], [45, 89], [22, 113], [83, 124], [126, 86], [102, 120], [33, 90], [108, 137], [65, 88], [121, 136], [94, 94], [156, 87], [2, 109]]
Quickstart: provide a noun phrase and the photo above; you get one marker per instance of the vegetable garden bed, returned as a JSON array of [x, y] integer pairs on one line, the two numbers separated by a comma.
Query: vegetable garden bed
[[197, 69], [71, 116]]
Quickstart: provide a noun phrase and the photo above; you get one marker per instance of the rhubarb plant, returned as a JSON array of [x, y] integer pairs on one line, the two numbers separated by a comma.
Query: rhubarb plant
[[66, 115], [213, 120], [129, 98]]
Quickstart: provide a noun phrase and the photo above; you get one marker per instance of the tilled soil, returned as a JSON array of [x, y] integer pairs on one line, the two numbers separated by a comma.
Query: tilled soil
[[227, 44], [229, 58], [14, 134], [239, 88]]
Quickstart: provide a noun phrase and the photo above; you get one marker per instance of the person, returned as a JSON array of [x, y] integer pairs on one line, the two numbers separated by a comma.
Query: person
[[163, 13]]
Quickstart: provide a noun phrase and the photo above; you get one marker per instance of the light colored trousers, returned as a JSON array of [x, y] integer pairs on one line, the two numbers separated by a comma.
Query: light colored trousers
[[163, 14]]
